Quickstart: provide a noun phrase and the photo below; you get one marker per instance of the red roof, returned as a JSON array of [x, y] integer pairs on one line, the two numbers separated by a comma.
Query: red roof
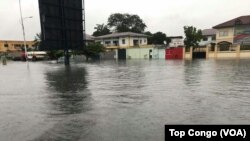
[[243, 20]]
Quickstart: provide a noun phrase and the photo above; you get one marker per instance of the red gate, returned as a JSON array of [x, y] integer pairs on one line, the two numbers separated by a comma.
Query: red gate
[[174, 53]]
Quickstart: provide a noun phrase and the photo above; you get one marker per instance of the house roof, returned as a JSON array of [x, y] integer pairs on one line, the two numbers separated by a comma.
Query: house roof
[[122, 34], [89, 37], [207, 32], [243, 20], [175, 37]]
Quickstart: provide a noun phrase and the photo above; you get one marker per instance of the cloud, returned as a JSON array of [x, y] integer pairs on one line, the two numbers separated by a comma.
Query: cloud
[[168, 16]]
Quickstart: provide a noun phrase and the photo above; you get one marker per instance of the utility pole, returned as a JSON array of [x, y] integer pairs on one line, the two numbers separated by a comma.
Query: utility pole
[[24, 39]]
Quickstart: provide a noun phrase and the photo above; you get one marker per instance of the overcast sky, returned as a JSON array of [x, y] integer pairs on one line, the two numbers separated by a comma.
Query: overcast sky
[[168, 16]]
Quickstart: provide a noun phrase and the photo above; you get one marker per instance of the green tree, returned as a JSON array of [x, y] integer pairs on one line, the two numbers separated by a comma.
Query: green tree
[[101, 29], [193, 36], [157, 38], [37, 41], [126, 23], [55, 54], [150, 35], [93, 50]]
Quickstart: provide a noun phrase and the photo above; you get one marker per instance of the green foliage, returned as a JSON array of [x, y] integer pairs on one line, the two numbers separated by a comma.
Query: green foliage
[[55, 54], [193, 36], [101, 29], [126, 23], [157, 38], [37, 41], [150, 38], [93, 49]]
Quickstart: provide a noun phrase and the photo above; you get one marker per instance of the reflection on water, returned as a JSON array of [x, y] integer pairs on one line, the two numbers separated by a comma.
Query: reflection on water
[[192, 72], [68, 98], [68, 89], [126, 100]]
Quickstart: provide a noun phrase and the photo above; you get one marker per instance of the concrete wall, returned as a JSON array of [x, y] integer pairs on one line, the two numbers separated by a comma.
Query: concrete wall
[[138, 53], [245, 54], [108, 55], [211, 55], [226, 55], [188, 55], [159, 53], [222, 54]]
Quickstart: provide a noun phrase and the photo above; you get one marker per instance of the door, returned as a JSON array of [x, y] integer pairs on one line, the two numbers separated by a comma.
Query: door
[[150, 54], [122, 54]]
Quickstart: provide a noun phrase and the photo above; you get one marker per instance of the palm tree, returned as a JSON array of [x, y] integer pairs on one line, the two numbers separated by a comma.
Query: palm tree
[[37, 41]]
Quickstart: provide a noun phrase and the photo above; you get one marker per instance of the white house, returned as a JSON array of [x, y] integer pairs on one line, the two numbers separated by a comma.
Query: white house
[[89, 39], [122, 40], [209, 36], [176, 41]]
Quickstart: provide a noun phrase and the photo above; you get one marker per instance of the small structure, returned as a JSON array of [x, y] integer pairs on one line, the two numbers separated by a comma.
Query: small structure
[[175, 48], [176, 41], [14, 46], [89, 39], [209, 37]]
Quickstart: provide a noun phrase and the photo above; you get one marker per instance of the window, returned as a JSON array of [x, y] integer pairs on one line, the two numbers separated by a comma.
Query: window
[[115, 43], [223, 33], [17, 45], [123, 41], [204, 39], [145, 41], [107, 43], [6, 45], [140, 41], [214, 38]]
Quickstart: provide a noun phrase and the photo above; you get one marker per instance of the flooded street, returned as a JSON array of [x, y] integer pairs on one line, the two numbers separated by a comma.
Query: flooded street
[[119, 101]]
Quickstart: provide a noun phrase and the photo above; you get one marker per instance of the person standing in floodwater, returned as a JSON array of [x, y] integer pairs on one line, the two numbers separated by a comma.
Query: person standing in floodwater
[[4, 60]]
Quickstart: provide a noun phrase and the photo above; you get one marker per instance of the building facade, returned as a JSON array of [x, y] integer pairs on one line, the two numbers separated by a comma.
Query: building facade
[[14, 46], [123, 40], [89, 39], [209, 37], [176, 41], [233, 32]]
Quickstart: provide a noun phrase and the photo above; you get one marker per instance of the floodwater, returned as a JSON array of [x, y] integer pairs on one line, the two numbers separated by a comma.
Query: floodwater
[[119, 101]]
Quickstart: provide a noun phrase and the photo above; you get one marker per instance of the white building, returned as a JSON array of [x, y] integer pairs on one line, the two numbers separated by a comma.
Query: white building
[[89, 39], [209, 36], [123, 40], [176, 41]]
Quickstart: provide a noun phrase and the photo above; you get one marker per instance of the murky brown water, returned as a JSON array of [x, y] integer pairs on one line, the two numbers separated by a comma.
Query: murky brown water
[[120, 101]]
